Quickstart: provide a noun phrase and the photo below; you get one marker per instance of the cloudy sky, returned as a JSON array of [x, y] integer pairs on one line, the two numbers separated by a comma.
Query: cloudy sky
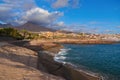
[[95, 16]]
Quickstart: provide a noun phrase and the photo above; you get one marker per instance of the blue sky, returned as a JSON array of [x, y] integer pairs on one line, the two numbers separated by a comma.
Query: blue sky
[[95, 16]]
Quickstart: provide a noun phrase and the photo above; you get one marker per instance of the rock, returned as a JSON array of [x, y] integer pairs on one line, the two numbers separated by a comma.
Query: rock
[[64, 70], [46, 58], [38, 45], [47, 50], [18, 63]]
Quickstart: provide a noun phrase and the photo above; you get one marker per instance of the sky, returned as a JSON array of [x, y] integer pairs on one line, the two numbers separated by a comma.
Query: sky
[[91, 16]]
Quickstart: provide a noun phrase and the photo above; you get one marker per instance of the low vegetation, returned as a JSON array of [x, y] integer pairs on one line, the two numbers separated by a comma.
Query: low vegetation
[[19, 35], [10, 32]]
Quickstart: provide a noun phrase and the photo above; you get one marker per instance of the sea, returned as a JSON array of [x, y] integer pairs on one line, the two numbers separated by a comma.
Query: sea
[[103, 59]]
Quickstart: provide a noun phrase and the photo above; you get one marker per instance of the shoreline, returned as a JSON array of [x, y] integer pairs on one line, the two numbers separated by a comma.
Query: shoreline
[[54, 67], [74, 72], [78, 68], [46, 59], [81, 69], [89, 41]]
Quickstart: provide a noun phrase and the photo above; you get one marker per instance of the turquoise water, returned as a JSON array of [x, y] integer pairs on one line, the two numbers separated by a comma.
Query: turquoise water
[[103, 59]]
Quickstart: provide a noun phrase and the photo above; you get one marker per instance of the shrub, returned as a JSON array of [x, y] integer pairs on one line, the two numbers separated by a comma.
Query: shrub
[[10, 32]]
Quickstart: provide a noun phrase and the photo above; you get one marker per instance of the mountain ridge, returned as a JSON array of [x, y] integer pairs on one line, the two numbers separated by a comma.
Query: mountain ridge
[[29, 26]]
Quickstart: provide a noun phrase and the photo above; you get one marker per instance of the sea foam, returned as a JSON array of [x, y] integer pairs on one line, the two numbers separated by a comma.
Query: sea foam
[[60, 57]]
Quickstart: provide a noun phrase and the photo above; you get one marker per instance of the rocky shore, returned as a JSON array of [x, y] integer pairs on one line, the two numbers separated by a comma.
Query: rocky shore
[[19, 63], [46, 58], [89, 41], [67, 71], [34, 60]]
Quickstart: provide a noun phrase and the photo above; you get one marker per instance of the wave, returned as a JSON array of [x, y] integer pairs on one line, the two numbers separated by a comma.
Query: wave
[[78, 68], [64, 51], [60, 57], [64, 57]]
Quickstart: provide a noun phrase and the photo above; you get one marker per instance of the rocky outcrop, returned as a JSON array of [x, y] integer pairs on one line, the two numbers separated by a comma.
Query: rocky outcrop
[[65, 70], [46, 62], [46, 58], [18, 63], [42, 45]]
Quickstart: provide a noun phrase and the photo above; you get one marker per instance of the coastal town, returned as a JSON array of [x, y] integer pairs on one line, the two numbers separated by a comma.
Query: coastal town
[[88, 36], [57, 35]]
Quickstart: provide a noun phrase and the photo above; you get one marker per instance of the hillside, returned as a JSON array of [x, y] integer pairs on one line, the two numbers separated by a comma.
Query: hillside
[[29, 26], [33, 27], [5, 25]]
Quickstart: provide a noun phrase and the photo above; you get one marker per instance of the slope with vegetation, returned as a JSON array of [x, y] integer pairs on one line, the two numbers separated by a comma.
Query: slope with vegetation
[[14, 33], [10, 32]]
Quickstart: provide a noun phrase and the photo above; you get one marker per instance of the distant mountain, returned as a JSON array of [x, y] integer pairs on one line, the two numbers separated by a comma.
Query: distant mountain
[[33, 27], [5, 25], [28, 26]]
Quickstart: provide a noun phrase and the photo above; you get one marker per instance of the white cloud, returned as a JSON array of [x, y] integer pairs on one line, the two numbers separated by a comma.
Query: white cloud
[[60, 3], [17, 4], [64, 3], [93, 22], [108, 31], [41, 16], [75, 3], [118, 27], [60, 24], [18, 12]]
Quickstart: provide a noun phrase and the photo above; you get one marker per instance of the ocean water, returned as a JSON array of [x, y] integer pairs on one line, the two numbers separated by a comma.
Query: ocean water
[[103, 59]]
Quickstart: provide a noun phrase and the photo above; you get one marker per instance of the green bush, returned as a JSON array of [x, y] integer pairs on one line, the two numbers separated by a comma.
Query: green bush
[[10, 32]]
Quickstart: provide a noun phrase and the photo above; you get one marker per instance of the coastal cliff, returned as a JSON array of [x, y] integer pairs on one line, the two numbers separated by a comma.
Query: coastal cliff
[[18, 63], [64, 70], [46, 58], [34, 60]]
